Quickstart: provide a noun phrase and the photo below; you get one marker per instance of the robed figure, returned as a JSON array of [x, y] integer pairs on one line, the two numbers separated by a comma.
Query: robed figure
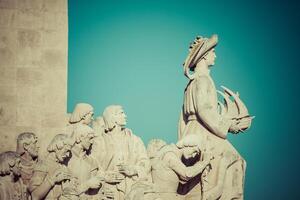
[[121, 154], [201, 115]]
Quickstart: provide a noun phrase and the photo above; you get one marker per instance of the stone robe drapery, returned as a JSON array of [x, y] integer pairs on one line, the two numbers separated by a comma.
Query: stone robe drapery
[[12, 190], [200, 116], [83, 168], [165, 178], [41, 172], [27, 167], [126, 148]]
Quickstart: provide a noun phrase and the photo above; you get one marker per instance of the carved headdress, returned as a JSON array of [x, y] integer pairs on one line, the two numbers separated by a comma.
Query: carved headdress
[[81, 110], [197, 50]]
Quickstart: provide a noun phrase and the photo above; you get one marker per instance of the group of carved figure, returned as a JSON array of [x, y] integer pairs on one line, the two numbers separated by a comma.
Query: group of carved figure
[[102, 159]]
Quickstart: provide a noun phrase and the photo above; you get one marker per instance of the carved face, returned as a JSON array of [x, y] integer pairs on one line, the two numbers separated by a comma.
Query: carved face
[[15, 169], [33, 148], [63, 153], [87, 141], [120, 118], [190, 152], [210, 57], [88, 118]]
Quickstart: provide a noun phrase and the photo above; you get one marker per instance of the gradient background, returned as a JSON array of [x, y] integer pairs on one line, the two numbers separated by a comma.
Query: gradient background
[[131, 53]]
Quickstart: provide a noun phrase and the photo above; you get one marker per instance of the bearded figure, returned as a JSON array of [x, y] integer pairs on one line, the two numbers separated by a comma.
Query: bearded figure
[[28, 149], [51, 173]]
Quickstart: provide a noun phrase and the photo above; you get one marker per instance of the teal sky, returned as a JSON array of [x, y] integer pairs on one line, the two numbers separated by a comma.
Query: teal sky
[[131, 53]]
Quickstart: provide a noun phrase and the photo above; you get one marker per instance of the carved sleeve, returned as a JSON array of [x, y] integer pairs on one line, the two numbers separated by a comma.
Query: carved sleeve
[[142, 165], [37, 179], [181, 124], [203, 93], [184, 173]]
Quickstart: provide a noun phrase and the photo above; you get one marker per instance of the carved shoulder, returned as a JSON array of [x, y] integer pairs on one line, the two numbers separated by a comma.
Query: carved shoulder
[[202, 81]]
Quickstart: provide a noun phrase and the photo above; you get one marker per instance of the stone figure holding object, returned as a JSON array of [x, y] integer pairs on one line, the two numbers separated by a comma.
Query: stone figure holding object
[[120, 153], [51, 172], [83, 166], [201, 116]]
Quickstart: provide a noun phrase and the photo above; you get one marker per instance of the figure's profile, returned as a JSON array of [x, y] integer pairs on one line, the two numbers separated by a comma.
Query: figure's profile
[[103, 159], [120, 153], [201, 115]]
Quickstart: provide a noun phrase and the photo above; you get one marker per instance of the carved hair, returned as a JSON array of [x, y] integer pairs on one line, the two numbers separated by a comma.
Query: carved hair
[[109, 116], [7, 161], [80, 111], [80, 132], [24, 138], [154, 146], [191, 140], [58, 142]]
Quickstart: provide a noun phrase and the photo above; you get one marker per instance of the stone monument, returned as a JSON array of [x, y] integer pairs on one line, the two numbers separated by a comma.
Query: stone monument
[[203, 115], [107, 161]]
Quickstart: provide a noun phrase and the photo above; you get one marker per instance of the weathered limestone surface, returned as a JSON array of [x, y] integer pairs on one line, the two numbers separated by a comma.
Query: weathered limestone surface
[[33, 68]]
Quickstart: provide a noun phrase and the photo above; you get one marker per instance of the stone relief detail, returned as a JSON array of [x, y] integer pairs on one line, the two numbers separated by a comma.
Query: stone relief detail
[[121, 154], [201, 116], [169, 169], [50, 173], [103, 159], [82, 115], [82, 166], [28, 149], [11, 184]]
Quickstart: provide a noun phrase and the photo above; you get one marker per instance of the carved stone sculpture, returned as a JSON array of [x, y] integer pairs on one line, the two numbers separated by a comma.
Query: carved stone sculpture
[[51, 172], [154, 146], [11, 185], [83, 114], [143, 190], [28, 148], [200, 115], [108, 161], [82, 166], [120, 153], [169, 171]]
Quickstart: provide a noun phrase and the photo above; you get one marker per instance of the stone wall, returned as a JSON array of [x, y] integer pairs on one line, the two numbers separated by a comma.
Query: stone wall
[[33, 69]]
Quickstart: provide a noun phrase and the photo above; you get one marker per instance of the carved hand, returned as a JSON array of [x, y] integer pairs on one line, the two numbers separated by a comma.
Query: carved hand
[[94, 182], [59, 175], [107, 193], [127, 170], [235, 128], [113, 177], [70, 187]]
